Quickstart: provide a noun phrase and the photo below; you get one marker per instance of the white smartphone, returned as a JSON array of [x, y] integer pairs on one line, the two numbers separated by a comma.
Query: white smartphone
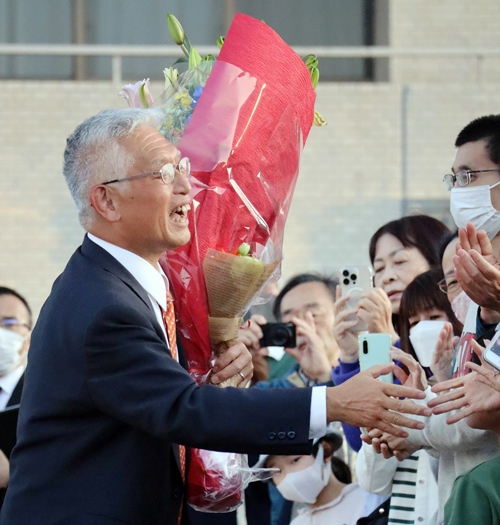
[[492, 352], [354, 280], [374, 350]]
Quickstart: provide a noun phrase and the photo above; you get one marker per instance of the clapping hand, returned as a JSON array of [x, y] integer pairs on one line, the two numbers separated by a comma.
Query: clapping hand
[[477, 270], [442, 358]]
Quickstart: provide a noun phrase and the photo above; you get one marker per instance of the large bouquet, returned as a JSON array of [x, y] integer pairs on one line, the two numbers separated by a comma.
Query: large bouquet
[[243, 121]]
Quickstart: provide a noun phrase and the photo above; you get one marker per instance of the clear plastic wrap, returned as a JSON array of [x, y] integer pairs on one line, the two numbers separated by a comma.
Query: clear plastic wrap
[[244, 138]]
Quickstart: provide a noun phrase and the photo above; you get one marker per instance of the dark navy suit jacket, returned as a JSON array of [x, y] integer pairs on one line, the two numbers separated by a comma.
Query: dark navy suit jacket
[[104, 405]]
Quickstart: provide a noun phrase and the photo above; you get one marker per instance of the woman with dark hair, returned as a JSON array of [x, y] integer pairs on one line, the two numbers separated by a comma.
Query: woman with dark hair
[[399, 251], [424, 301]]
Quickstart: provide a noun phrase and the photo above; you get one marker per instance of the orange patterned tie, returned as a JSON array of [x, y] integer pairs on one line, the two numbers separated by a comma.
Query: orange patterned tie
[[169, 322]]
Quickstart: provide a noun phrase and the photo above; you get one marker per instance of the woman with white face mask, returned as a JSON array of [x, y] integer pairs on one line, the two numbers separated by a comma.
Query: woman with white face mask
[[320, 484]]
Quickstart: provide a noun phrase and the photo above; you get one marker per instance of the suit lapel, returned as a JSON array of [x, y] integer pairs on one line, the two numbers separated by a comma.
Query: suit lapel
[[15, 398], [101, 257], [109, 263]]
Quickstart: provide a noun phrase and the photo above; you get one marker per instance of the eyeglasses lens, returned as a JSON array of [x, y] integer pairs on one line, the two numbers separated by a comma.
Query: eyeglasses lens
[[449, 181], [168, 170], [462, 177]]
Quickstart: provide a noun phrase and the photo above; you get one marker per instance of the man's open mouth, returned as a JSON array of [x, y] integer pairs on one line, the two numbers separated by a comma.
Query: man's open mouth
[[180, 213]]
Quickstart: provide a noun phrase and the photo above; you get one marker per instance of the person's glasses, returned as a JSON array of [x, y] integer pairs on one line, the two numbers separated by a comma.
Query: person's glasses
[[166, 172], [461, 177], [11, 323], [448, 286]]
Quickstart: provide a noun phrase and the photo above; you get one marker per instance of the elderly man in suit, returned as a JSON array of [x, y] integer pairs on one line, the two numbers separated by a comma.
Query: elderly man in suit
[[108, 405]]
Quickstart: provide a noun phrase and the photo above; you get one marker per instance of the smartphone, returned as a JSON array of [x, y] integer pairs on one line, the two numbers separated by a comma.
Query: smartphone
[[374, 350], [492, 352], [354, 280]]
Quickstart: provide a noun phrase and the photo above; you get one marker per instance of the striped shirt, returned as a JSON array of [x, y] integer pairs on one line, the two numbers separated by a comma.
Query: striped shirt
[[404, 488]]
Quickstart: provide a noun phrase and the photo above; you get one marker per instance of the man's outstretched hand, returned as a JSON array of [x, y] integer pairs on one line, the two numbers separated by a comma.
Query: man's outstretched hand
[[364, 401]]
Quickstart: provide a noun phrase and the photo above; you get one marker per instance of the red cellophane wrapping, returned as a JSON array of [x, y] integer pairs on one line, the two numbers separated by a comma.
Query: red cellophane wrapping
[[244, 141]]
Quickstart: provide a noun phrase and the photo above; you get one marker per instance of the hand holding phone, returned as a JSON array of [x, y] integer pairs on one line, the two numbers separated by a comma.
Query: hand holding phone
[[354, 281], [374, 350], [492, 352]]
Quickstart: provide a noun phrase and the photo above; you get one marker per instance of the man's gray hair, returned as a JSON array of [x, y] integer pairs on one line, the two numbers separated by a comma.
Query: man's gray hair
[[94, 154]]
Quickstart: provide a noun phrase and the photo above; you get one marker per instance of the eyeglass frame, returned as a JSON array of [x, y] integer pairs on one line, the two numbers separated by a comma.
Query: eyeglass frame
[[443, 286], [15, 324], [177, 167], [453, 177]]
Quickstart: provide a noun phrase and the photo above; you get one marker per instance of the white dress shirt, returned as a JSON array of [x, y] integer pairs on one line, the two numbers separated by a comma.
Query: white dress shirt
[[8, 384], [154, 281]]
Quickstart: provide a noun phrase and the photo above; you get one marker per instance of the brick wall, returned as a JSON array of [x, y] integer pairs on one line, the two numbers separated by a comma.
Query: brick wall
[[352, 171], [449, 24], [350, 181]]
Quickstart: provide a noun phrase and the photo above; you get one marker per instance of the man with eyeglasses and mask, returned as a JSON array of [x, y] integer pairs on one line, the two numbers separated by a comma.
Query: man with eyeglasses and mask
[[474, 185], [15, 332]]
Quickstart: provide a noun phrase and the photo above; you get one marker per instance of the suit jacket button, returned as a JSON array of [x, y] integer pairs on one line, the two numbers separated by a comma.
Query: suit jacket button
[[282, 435], [291, 435], [271, 435]]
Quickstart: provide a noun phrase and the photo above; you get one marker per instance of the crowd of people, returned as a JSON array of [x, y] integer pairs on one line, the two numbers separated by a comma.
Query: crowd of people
[[108, 406]]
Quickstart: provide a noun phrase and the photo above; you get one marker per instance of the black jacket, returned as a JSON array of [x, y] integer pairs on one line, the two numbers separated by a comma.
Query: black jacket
[[104, 405]]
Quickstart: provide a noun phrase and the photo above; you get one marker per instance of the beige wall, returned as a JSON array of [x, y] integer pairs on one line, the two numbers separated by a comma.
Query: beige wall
[[352, 170], [449, 24]]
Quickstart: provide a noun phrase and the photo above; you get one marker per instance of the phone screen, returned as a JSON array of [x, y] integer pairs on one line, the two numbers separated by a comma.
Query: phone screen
[[495, 348]]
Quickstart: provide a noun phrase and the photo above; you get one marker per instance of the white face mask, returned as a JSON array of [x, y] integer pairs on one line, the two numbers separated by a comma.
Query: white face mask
[[305, 486], [423, 337], [10, 350], [460, 306], [474, 205]]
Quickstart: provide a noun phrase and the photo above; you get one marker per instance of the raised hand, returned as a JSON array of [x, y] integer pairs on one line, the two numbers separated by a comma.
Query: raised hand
[[416, 377], [364, 401], [442, 358], [347, 340], [375, 310], [250, 334], [311, 351], [477, 270]]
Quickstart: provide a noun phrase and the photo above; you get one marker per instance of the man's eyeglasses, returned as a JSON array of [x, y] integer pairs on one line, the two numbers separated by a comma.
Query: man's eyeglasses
[[167, 172], [461, 177], [448, 287], [11, 323]]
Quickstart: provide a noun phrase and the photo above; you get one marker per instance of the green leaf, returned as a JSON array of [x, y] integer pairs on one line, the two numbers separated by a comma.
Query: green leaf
[[187, 43], [194, 58], [180, 61]]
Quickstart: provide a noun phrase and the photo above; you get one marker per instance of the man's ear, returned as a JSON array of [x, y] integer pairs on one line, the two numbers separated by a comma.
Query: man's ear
[[104, 201], [328, 451]]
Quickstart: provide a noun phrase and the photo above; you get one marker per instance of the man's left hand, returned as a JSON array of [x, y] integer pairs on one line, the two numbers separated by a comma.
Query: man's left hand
[[235, 360], [478, 271]]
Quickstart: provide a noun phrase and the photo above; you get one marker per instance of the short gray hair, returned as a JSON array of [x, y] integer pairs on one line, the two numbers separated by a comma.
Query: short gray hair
[[94, 154]]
